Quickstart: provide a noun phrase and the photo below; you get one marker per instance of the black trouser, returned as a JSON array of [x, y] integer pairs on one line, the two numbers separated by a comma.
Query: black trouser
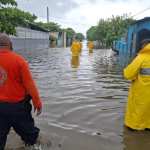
[[19, 117]]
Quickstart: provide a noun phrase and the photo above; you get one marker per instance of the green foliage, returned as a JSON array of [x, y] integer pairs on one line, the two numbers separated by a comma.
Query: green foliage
[[91, 33], [51, 26], [70, 33], [7, 2], [79, 36], [109, 30], [11, 17]]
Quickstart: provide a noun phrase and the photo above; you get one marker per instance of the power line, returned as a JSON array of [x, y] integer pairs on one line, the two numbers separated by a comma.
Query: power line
[[65, 21], [141, 12]]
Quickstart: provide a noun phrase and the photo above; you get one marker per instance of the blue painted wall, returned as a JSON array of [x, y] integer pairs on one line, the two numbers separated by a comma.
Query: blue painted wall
[[128, 45]]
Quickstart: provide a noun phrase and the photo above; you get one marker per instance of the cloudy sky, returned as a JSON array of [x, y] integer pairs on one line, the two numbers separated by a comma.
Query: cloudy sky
[[82, 14]]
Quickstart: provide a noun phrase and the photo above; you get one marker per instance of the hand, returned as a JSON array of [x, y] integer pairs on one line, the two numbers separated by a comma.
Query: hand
[[38, 111]]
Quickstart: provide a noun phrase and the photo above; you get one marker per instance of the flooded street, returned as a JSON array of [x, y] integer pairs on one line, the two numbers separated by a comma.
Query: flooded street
[[84, 101]]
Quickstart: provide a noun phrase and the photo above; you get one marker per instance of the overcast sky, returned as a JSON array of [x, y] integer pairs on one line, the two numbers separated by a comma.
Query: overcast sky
[[82, 14]]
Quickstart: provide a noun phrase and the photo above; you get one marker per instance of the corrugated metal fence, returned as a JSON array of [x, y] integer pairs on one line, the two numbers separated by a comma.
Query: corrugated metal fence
[[30, 39]]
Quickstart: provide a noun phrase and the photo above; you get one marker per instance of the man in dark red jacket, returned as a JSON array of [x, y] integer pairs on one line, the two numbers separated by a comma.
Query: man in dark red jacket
[[16, 89]]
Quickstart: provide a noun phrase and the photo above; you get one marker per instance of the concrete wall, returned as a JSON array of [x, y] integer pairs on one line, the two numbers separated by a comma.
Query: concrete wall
[[24, 44]]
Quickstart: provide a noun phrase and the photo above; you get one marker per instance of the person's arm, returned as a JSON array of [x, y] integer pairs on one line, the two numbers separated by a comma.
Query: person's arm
[[72, 47], [132, 70], [30, 86]]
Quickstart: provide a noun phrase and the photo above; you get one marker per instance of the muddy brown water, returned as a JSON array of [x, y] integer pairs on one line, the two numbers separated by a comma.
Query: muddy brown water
[[84, 100]]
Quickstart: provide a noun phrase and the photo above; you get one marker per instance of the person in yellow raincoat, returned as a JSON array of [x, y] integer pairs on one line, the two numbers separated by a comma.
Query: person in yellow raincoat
[[90, 46], [137, 114], [75, 48]]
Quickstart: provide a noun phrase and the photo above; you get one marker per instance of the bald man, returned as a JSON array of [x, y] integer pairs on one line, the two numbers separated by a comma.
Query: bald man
[[16, 89]]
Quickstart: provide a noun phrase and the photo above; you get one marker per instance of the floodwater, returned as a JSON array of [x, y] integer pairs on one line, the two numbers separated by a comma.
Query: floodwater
[[84, 100]]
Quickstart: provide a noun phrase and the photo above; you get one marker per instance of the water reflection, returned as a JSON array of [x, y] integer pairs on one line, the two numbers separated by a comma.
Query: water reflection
[[88, 99], [90, 51], [75, 61]]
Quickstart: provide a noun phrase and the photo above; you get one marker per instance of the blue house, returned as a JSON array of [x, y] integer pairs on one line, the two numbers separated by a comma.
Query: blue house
[[130, 44]]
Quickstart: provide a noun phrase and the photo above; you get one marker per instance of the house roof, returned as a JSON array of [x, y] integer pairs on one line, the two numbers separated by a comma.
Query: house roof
[[35, 27], [146, 19]]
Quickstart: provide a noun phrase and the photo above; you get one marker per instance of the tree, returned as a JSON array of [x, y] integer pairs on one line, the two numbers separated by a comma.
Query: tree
[[70, 33], [101, 32], [109, 30], [118, 27], [51, 26], [91, 33], [3, 3], [80, 36], [11, 16]]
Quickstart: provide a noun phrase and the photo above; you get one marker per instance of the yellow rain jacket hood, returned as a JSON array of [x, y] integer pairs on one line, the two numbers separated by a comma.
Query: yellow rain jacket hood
[[75, 48], [138, 107]]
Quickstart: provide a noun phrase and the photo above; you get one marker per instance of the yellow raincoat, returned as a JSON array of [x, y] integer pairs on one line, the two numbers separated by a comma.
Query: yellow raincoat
[[138, 107], [90, 46], [75, 48]]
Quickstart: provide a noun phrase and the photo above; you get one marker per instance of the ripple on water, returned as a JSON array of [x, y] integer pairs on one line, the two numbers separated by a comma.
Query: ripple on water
[[89, 98]]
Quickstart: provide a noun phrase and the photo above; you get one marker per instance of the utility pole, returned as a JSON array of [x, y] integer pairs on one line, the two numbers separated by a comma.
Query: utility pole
[[47, 14]]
